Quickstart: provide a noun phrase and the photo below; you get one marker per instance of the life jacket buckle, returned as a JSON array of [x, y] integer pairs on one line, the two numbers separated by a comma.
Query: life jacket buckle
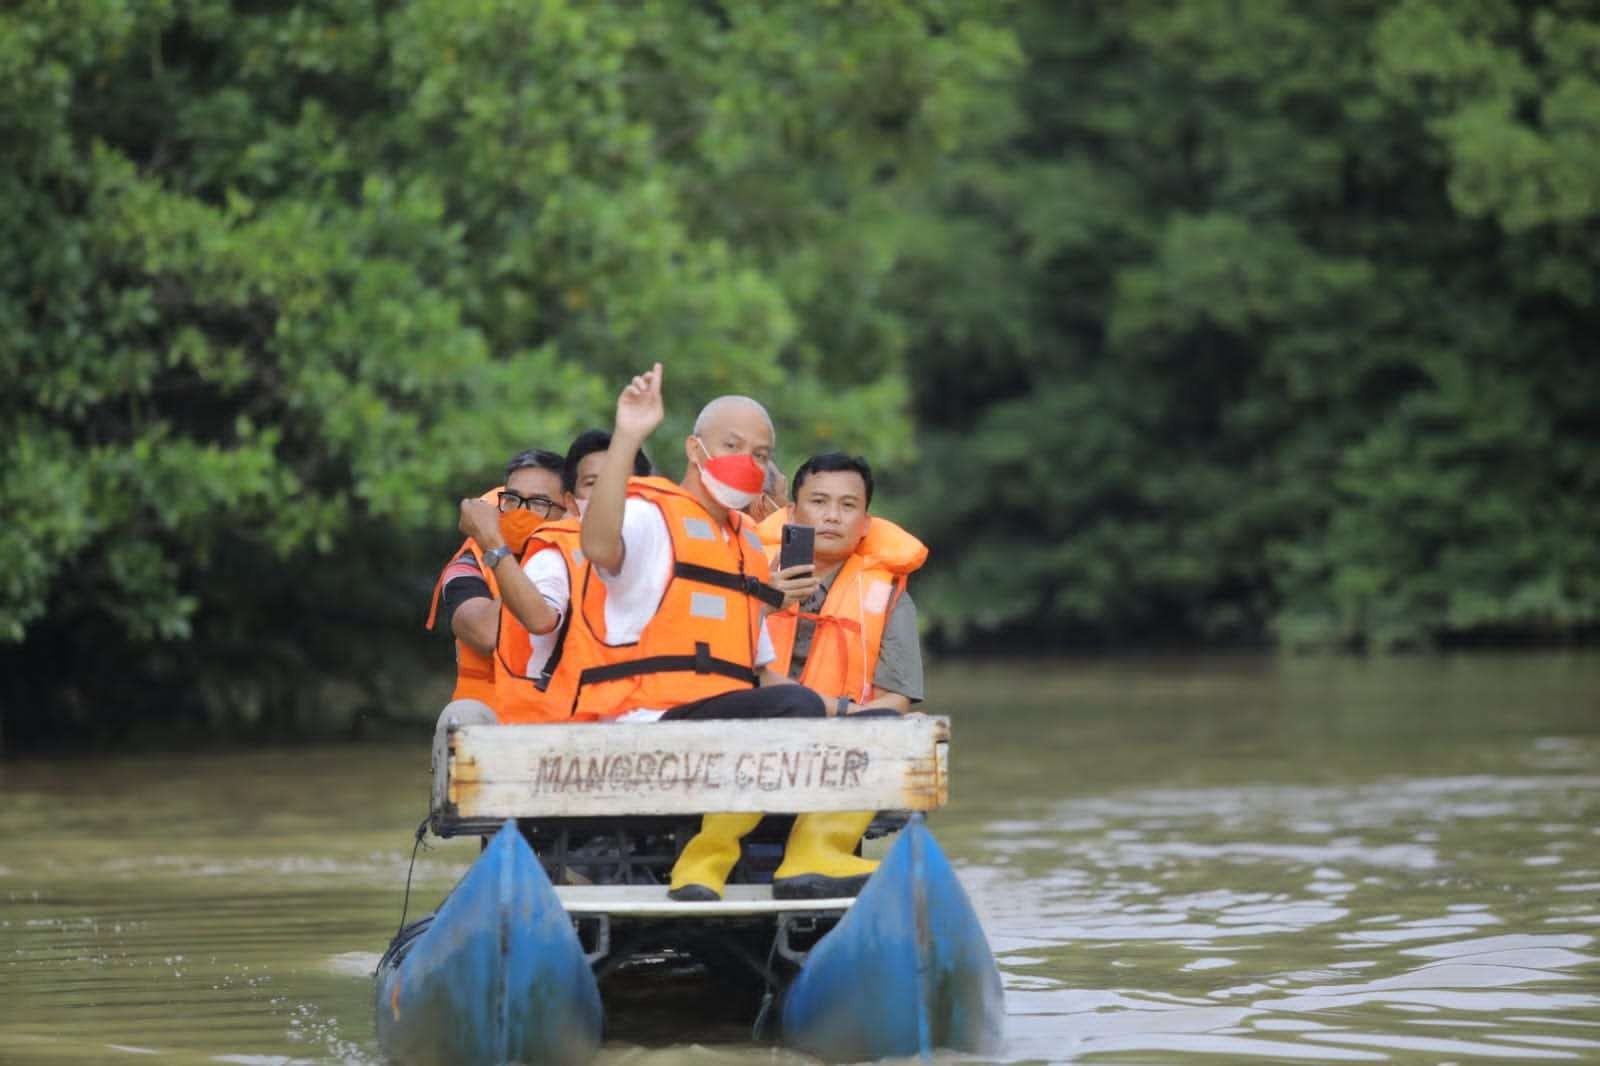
[[757, 589]]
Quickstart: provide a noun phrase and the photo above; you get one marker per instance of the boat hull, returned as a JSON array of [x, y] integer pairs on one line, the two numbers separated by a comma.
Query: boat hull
[[498, 976], [906, 971]]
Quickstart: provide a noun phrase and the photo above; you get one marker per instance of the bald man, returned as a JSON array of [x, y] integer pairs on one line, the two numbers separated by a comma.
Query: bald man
[[630, 540], [627, 541]]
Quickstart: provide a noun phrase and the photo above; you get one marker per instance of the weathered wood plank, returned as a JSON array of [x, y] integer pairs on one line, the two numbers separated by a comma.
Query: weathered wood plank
[[650, 901], [548, 771]]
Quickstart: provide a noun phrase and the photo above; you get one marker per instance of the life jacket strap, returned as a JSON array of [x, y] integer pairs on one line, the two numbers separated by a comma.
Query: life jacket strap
[[701, 662], [849, 625], [723, 579], [542, 682]]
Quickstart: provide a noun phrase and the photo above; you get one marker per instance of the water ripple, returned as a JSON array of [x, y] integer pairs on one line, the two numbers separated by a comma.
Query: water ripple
[[1397, 872]]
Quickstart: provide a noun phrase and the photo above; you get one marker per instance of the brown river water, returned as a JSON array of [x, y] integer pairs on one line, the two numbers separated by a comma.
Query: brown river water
[[1205, 859]]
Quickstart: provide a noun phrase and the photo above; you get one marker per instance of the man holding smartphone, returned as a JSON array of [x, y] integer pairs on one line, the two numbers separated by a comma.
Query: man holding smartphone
[[854, 640]]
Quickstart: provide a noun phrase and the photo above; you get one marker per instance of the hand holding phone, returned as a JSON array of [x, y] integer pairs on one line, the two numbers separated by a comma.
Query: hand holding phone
[[796, 576], [797, 546]]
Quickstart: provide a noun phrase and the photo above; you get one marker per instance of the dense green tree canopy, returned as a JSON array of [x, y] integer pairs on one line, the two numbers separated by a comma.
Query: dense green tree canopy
[[279, 280], [1168, 319], [1275, 321]]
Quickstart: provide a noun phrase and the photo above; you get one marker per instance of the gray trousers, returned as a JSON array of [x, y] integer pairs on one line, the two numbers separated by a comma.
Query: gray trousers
[[456, 712]]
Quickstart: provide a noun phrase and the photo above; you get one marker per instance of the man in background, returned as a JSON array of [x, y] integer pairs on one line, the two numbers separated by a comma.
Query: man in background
[[774, 494]]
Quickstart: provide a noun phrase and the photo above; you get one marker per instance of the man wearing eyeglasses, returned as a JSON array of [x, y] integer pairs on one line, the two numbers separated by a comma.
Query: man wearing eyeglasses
[[529, 639], [478, 579], [469, 590]]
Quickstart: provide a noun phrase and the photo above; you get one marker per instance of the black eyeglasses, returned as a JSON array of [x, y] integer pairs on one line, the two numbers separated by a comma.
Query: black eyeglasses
[[543, 506]]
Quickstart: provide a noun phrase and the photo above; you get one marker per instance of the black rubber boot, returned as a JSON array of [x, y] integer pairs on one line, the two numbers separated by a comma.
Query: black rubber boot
[[818, 886], [693, 894]]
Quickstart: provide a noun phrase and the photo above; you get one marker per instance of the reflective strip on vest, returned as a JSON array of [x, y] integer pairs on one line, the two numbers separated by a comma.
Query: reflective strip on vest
[[877, 596], [706, 605], [701, 641]]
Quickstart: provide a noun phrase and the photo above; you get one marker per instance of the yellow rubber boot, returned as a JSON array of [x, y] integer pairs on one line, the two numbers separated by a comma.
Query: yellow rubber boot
[[703, 868], [819, 861]]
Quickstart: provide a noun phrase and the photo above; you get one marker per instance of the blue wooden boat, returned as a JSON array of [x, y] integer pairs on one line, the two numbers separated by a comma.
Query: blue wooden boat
[[906, 970], [512, 969], [496, 975]]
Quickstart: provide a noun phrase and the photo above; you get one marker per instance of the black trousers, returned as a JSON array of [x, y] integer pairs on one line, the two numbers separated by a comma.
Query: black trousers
[[774, 701]]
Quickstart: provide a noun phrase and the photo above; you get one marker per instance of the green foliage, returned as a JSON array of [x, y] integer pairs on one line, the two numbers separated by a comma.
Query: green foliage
[[279, 281], [1254, 322], [1277, 321]]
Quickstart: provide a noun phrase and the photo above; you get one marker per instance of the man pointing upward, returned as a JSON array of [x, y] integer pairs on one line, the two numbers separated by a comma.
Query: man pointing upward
[[685, 583]]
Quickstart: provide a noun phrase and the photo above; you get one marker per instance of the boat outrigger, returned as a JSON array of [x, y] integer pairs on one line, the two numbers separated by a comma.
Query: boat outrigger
[[582, 824]]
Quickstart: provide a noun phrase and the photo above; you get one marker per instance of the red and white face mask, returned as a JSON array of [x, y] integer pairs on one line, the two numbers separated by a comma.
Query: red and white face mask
[[732, 480]]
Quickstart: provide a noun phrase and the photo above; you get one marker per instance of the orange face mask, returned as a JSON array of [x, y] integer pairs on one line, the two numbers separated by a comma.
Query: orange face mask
[[517, 526]]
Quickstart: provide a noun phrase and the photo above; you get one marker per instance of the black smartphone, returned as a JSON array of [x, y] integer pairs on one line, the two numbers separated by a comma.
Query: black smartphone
[[798, 547]]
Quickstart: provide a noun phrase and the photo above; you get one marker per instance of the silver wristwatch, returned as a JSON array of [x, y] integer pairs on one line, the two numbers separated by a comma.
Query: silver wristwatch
[[494, 555]]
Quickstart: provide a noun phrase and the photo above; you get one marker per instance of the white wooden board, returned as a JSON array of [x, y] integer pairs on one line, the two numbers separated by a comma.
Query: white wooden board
[[650, 901], [547, 771]]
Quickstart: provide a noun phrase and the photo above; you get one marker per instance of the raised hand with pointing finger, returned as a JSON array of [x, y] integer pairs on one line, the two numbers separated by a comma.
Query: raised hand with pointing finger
[[639, 409], [639, 412]]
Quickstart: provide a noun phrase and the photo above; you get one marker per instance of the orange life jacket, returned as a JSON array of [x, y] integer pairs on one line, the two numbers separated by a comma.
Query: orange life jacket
[[474, 670], [702, 640], [522, 695], [848, 633]]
